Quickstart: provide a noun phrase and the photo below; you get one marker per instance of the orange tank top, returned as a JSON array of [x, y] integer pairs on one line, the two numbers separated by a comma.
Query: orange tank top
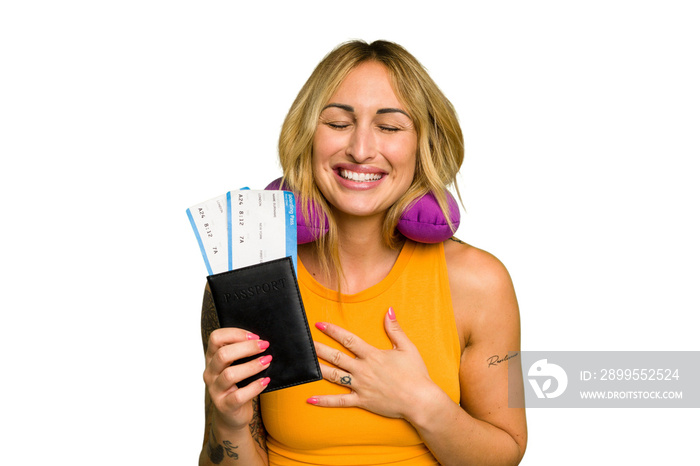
[[418, 289]]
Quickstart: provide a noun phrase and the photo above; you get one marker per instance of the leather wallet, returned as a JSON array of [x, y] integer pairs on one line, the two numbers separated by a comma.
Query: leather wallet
[[264, 299]]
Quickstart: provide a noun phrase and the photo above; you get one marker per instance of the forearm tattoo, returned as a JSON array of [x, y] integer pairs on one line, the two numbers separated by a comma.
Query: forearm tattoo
[[257, 429], [210, 321], [216, 451]]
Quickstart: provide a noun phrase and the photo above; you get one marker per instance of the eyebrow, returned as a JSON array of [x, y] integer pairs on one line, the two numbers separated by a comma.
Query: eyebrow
[[381, 111]]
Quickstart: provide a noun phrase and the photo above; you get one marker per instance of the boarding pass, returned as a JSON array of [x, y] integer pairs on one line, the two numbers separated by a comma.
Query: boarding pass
[[245, 227]]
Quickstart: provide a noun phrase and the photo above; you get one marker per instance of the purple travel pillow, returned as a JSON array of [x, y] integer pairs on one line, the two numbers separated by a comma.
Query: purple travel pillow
[[423, 222]]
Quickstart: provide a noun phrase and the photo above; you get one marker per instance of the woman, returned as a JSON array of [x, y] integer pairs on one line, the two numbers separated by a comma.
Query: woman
[[406, 331]]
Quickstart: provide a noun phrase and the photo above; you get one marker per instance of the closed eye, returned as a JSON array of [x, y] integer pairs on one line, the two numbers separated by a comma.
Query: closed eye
[[337, 125], [388, 129]]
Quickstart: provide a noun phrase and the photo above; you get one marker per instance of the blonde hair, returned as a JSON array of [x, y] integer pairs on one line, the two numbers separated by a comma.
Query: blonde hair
[[440, 142]]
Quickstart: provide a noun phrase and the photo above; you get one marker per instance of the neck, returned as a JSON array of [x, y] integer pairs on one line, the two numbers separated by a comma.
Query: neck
[[359, 238], [364, 257]]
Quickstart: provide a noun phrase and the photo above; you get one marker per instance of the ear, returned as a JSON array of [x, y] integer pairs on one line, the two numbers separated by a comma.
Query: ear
[[423, 222]]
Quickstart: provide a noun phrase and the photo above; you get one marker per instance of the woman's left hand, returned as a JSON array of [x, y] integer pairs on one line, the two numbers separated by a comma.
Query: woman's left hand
[[390, 383]]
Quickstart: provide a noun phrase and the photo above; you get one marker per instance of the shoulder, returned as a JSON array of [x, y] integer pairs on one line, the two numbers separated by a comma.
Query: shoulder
[[474, 268], [481, 288]]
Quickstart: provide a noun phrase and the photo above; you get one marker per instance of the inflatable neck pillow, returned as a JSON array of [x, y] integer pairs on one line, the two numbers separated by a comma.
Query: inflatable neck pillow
[[423, 222]]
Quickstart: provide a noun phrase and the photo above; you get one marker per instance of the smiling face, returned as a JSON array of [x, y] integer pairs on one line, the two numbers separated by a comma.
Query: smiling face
[[364, 148]]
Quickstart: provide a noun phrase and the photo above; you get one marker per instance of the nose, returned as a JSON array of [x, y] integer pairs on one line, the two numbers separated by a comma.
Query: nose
[[362, 145]]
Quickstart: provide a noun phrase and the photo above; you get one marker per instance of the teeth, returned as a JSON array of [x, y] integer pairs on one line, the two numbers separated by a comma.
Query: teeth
[[361, 177]]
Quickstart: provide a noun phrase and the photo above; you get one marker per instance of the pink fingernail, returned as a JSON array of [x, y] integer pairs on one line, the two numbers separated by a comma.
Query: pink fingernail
[[252, 336], [321, 326], [392, 316], [312, 401], [265, 360], [263, 344], [265, 381]]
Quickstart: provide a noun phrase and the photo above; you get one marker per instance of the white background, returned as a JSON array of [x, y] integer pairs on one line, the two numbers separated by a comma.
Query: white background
[[581, 124]]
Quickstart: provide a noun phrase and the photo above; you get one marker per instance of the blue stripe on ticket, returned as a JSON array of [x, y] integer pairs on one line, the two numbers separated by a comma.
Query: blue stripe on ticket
[[199, 240], [291, 222], [229, 229]]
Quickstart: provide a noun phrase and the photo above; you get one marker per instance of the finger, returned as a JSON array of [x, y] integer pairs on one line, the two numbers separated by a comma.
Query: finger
[[337, 376], [229, 354], [243, 395], [334, 356], [230, 376], [226, 336], [394, 331], [334, 401], [349, 340]]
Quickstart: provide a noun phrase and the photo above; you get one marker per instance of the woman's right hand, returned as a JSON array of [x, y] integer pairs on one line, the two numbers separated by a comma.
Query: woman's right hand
[[232, 405]]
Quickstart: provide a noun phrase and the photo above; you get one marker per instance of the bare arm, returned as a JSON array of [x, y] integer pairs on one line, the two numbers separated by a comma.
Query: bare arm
[[481, 430], [224, 444]]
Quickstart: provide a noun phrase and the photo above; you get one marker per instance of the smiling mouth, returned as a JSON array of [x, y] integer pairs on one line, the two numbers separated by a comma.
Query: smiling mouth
[[359, 177]]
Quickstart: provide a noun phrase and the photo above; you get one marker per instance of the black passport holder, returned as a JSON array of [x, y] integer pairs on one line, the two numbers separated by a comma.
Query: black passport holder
[[264, 299]]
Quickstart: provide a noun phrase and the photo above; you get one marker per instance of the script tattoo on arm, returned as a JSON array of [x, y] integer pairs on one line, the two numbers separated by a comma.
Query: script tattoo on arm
[[495, 359]]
